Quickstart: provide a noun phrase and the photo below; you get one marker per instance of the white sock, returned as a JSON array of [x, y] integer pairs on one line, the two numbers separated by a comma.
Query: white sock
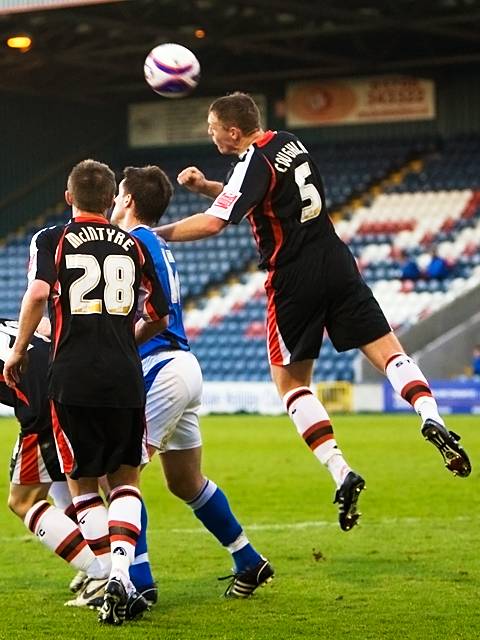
[[427, 409], [314, 426], [60, 534], [238, 543], [93, 522], [409, 382], [338, 468], [124, 522]]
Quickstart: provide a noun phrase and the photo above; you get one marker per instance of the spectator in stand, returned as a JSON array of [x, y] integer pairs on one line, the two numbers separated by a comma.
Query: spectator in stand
[[438, 268], [409, 266], [476, 361]]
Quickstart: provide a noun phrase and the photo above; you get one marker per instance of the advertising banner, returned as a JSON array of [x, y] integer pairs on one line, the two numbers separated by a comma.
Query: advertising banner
[[359, 101], [241, 397], [452, 397]]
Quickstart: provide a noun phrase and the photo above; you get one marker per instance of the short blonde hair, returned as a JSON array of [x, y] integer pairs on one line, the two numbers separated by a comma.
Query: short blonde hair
[[237, 110]]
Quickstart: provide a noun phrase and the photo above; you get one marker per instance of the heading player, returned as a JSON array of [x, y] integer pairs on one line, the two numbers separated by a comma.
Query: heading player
[[313, 284]]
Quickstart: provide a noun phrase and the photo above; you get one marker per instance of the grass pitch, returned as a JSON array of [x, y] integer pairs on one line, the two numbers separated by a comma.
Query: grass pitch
[[409, 571]]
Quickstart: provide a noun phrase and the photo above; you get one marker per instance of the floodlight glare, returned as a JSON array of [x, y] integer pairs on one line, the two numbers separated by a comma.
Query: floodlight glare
[[19, 42]]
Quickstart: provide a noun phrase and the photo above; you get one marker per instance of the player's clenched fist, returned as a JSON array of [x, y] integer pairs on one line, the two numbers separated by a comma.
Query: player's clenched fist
[[192, 178]]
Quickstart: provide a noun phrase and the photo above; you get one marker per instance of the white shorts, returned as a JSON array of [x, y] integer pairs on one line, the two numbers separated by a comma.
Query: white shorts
[[173, 381]]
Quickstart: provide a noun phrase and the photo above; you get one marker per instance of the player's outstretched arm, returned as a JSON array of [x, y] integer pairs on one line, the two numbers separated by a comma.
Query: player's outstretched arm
[[194, 180], [31, 312], [200, 225]]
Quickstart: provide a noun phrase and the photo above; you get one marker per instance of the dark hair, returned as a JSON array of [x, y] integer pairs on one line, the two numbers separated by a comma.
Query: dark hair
[[92, 186], [151, 191], [237, 110]]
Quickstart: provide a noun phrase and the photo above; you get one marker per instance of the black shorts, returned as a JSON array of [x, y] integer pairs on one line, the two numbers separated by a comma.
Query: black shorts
[[34, 459], [321, 290], [93, 441]]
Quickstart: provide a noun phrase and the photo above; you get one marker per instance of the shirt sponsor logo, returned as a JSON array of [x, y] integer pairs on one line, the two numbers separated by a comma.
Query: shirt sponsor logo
[[226, 199]]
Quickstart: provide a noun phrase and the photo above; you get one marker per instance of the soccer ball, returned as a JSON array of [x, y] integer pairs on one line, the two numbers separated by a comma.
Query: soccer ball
[[172, 70]]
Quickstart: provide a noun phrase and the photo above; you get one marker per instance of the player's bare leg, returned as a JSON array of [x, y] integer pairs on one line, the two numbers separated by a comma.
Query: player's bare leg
[[388, 356], [314, 426], [21, 497], [182, 470]]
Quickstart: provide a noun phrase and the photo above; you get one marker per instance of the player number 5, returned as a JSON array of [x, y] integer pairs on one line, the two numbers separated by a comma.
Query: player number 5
[[119, 276], [308, 192]]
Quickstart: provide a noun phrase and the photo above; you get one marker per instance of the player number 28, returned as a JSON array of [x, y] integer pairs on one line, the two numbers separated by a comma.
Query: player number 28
[[119, 276], [308, 192]]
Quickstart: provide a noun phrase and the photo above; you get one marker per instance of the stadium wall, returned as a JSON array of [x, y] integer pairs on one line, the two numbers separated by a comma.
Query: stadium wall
[[41, 140]]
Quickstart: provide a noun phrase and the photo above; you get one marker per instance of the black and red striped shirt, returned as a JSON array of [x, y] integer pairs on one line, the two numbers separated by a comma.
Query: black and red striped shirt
[[277, 186], [101, 280]]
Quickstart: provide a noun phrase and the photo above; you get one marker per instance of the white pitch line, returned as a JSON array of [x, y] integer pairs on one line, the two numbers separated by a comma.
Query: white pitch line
[[270, 526], [288, 526], [318, 524]]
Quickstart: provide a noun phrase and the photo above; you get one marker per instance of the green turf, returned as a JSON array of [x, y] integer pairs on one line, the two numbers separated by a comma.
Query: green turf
[[410, 570]]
